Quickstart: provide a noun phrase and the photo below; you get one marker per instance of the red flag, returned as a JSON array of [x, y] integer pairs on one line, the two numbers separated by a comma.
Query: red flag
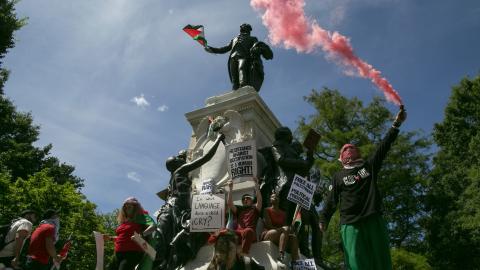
[[197, 33], [64, 251]]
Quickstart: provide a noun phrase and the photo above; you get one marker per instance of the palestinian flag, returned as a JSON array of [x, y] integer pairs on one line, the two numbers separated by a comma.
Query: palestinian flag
[[297, 221], [197, 33]]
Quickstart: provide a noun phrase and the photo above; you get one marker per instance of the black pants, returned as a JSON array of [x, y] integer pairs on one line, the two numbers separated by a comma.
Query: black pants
[[126, 260], [35, 265]]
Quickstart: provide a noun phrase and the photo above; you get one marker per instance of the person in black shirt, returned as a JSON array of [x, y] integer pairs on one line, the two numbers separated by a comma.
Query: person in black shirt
[[364, 232]]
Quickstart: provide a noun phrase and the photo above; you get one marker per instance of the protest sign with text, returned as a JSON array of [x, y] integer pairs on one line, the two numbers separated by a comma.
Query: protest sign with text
[[301, 192], [208, 213], [307, 264], [208, 186], [100, 247], [242, 160]]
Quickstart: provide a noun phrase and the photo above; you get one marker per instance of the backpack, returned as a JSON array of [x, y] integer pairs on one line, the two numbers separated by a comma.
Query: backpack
[[4, 229]]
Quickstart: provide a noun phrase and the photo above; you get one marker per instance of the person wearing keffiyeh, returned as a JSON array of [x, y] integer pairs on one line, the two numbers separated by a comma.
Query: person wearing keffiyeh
[[363, 230]]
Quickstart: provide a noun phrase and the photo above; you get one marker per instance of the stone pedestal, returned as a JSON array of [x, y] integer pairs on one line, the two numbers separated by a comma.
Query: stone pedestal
[[248, 118]]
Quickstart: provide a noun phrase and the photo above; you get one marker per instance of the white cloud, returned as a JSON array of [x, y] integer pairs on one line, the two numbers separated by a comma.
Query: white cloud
[[134, 177], [170, 11], [162, 108], [140, 101]]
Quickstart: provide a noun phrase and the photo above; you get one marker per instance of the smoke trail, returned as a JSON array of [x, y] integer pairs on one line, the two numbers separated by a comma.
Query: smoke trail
[[288, 26]]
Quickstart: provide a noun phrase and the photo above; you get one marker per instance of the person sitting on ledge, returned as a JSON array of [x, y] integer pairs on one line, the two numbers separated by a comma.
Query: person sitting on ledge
[[276, 230], [226, 256], [247, 216]]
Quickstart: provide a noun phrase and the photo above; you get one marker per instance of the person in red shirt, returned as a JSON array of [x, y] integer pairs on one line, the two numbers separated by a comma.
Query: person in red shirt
[[247, 216], [276, 230], [42, 242], [132, 218]]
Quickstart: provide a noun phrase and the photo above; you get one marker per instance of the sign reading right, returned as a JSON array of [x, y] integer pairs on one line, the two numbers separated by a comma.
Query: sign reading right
[[301, 192]]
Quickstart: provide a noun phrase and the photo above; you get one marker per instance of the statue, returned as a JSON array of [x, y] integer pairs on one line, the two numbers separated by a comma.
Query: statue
[[288, 163], [244, 63], [175, 244], [284, 160]]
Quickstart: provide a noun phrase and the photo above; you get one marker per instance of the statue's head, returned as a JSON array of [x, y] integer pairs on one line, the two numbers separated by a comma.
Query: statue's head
[[174, 163], [182, 154], [245, 28], [283, 134]]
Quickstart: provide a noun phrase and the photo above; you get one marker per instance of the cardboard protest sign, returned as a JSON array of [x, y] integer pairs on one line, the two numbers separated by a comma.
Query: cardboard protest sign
[[301, 192], [208, 213], [311, 140], [208, 187], [144, 245], [307, 264], [100, 246], [242, 160]]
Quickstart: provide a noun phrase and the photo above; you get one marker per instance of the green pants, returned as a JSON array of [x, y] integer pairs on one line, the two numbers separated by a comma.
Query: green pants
[[366, 244]]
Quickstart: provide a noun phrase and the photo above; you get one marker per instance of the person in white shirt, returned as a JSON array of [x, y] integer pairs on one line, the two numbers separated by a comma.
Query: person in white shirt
[[19, 230]]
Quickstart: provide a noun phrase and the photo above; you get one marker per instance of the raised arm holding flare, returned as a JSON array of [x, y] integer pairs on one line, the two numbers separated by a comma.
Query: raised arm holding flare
[[364, 232]]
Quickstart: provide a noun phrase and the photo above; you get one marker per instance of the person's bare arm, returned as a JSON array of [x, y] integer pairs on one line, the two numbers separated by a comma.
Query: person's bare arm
[[50, 246], [21, 235], [230, 204], [258, 194], [267, 221]]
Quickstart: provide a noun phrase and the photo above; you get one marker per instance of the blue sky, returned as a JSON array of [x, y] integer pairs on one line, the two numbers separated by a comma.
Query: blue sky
[[109, 81]]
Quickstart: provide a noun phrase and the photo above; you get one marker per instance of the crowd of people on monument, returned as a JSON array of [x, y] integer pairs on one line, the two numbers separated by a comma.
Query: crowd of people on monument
[[354, 188], [266, 215]]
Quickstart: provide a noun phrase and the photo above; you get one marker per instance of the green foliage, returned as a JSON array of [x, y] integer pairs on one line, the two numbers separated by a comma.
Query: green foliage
[[454, 188], [402, 180], [77, 215], [404, 260], [19, 157], [9, 24]]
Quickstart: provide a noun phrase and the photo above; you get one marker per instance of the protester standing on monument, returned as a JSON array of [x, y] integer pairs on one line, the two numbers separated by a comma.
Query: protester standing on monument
[[42, 242], [18, 231], [132, 219], [277, 231], [363, 230], [247, 216], [226, 256]]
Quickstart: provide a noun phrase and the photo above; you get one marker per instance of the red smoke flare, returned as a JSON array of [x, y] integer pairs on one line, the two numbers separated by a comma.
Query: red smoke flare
[[288, 25]]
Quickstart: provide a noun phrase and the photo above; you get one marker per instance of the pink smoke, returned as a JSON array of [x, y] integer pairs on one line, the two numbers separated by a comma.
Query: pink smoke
[[288, 25]]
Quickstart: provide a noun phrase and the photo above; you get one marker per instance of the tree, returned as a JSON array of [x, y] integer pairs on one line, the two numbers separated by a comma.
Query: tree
[[77, 214], [10, 23], [402, 180], [454, 187]]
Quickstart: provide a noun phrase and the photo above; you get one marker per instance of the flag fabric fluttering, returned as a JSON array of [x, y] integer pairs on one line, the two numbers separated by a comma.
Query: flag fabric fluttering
[[197, 33], [289, 26]]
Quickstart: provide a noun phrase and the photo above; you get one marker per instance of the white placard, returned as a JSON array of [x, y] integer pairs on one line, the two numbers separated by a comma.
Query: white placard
[[242, 160], [208, 187], [144, 245], [100, 246], [301, 192], [208, 213], [307, 264]]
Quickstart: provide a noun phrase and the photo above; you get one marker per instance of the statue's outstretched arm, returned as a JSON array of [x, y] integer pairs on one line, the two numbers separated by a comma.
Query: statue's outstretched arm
[[220, 50], [188, 167]]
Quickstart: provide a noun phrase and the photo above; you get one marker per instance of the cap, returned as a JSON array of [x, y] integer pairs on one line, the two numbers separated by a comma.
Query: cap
[[49, 213], [247, 196], [28, 211]]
